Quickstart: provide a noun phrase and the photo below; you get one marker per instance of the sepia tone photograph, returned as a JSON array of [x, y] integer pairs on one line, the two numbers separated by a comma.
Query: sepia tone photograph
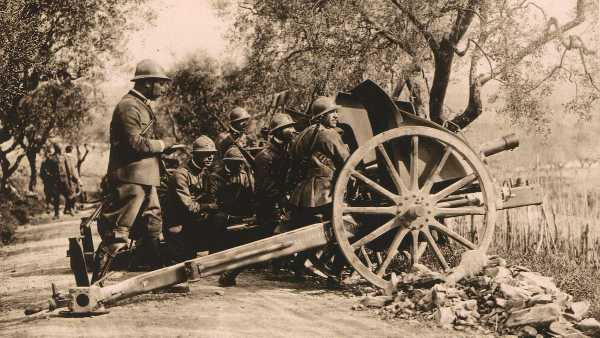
[[300, 168]]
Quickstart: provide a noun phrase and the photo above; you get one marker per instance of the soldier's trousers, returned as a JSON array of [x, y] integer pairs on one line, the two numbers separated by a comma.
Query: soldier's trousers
[[133, 211]]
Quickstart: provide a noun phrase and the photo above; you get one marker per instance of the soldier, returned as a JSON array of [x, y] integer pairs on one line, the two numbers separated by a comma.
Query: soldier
[[47, 178], [238, 125], [74, 186], [235, 192], [271, 171], [191, 202], [318, 152], [58, 173], [133, 172], [272, 165]]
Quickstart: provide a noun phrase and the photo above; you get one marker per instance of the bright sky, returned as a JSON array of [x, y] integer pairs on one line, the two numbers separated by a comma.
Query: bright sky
[[181, 28]]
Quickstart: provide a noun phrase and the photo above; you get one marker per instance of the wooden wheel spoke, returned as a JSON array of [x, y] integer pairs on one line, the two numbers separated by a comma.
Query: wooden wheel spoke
[[452, 188], [422, 248], [414, 163], [435, 172], [460, 239], [372, 210], [392, 251], [436, 249], [460, 211], [387, 226], [374, 185], [366, 256], [415, 246], [399, 182]]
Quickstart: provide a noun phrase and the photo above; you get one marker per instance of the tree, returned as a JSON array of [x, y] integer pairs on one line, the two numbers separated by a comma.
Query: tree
[[201, 88], [419, 46], [53, 42], [53, 109]]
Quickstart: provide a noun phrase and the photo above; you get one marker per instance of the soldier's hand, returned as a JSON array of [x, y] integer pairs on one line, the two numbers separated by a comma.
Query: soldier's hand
[[173, 148]]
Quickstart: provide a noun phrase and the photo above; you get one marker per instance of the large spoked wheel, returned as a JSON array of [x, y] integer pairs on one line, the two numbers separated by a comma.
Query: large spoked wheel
[[421, 176]]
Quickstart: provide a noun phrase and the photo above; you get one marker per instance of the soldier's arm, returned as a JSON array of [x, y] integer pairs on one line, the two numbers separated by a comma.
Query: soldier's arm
[[129, 118], [180, 186], [337, 149]]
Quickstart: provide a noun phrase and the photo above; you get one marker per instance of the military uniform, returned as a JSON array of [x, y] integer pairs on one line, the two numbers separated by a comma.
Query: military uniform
[[235, 190], [272, 165], [318, 153], [224, 141], [73, 186], [133, 171], [191, 201]]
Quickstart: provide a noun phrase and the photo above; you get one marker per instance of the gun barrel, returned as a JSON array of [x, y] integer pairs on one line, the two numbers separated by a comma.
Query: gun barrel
[[508, 142]]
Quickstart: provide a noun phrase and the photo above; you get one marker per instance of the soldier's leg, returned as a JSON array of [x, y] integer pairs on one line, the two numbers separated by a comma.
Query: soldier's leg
[[114, 223], [151, 222], [56, 202]]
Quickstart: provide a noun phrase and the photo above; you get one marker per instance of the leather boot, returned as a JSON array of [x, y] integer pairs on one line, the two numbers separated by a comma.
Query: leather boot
[[104, 257]]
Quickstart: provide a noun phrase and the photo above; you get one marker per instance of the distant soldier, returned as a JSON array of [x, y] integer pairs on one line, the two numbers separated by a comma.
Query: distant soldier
[[133, 173], [272, 166], [317, 153], [47, 179], [191, 202], [238, 123], [59, 175], [74, 182]]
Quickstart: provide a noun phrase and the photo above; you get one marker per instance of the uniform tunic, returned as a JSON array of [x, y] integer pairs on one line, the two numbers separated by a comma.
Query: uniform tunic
[[272, 166], [133, 172], [317, 153]]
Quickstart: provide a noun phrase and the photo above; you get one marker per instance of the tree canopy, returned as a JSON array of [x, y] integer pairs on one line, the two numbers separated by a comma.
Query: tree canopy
[[44, 46], [417, 49]]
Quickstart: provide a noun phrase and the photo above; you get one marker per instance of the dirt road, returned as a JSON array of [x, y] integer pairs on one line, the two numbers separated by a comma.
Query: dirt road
[[260, 306]]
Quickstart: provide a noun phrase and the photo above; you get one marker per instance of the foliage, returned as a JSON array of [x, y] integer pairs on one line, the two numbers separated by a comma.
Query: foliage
[[53, 41], [421, 46], [15, 211], [201, 86]]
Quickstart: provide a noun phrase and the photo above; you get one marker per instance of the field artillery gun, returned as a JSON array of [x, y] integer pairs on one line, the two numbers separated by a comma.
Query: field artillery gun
[[393, 200]]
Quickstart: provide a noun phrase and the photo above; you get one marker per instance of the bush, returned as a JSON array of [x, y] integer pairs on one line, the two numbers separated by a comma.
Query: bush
[[15, 211]]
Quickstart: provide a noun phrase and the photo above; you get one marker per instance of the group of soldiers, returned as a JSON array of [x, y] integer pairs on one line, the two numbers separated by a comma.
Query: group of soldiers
[[60, 177], [219, 186]]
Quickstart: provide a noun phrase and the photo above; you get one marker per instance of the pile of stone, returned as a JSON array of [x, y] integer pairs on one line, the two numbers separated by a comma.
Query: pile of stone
[[499, 298]]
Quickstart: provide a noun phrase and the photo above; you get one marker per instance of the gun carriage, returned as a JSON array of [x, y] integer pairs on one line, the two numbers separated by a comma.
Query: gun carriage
[[394, 199]]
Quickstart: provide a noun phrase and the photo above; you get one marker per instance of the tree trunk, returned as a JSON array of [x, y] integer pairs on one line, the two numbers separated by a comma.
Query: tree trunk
[[31, 158], [441, 78]]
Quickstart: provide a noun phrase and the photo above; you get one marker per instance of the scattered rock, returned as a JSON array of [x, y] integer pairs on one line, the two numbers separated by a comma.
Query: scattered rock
[[564, 329], [444, 316], [528, 331], [513, 293], [579, 309], [590, 327], [539, 315], [220, 293], [376, 301], [534, 278], [499, 274], [540, 299]]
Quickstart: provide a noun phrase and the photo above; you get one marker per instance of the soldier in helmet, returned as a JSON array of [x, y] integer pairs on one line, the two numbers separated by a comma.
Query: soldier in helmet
[[271, 171], [272, 166], [133, 172], [236, 185], [317, 153], [191, 203], [238, 122]]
